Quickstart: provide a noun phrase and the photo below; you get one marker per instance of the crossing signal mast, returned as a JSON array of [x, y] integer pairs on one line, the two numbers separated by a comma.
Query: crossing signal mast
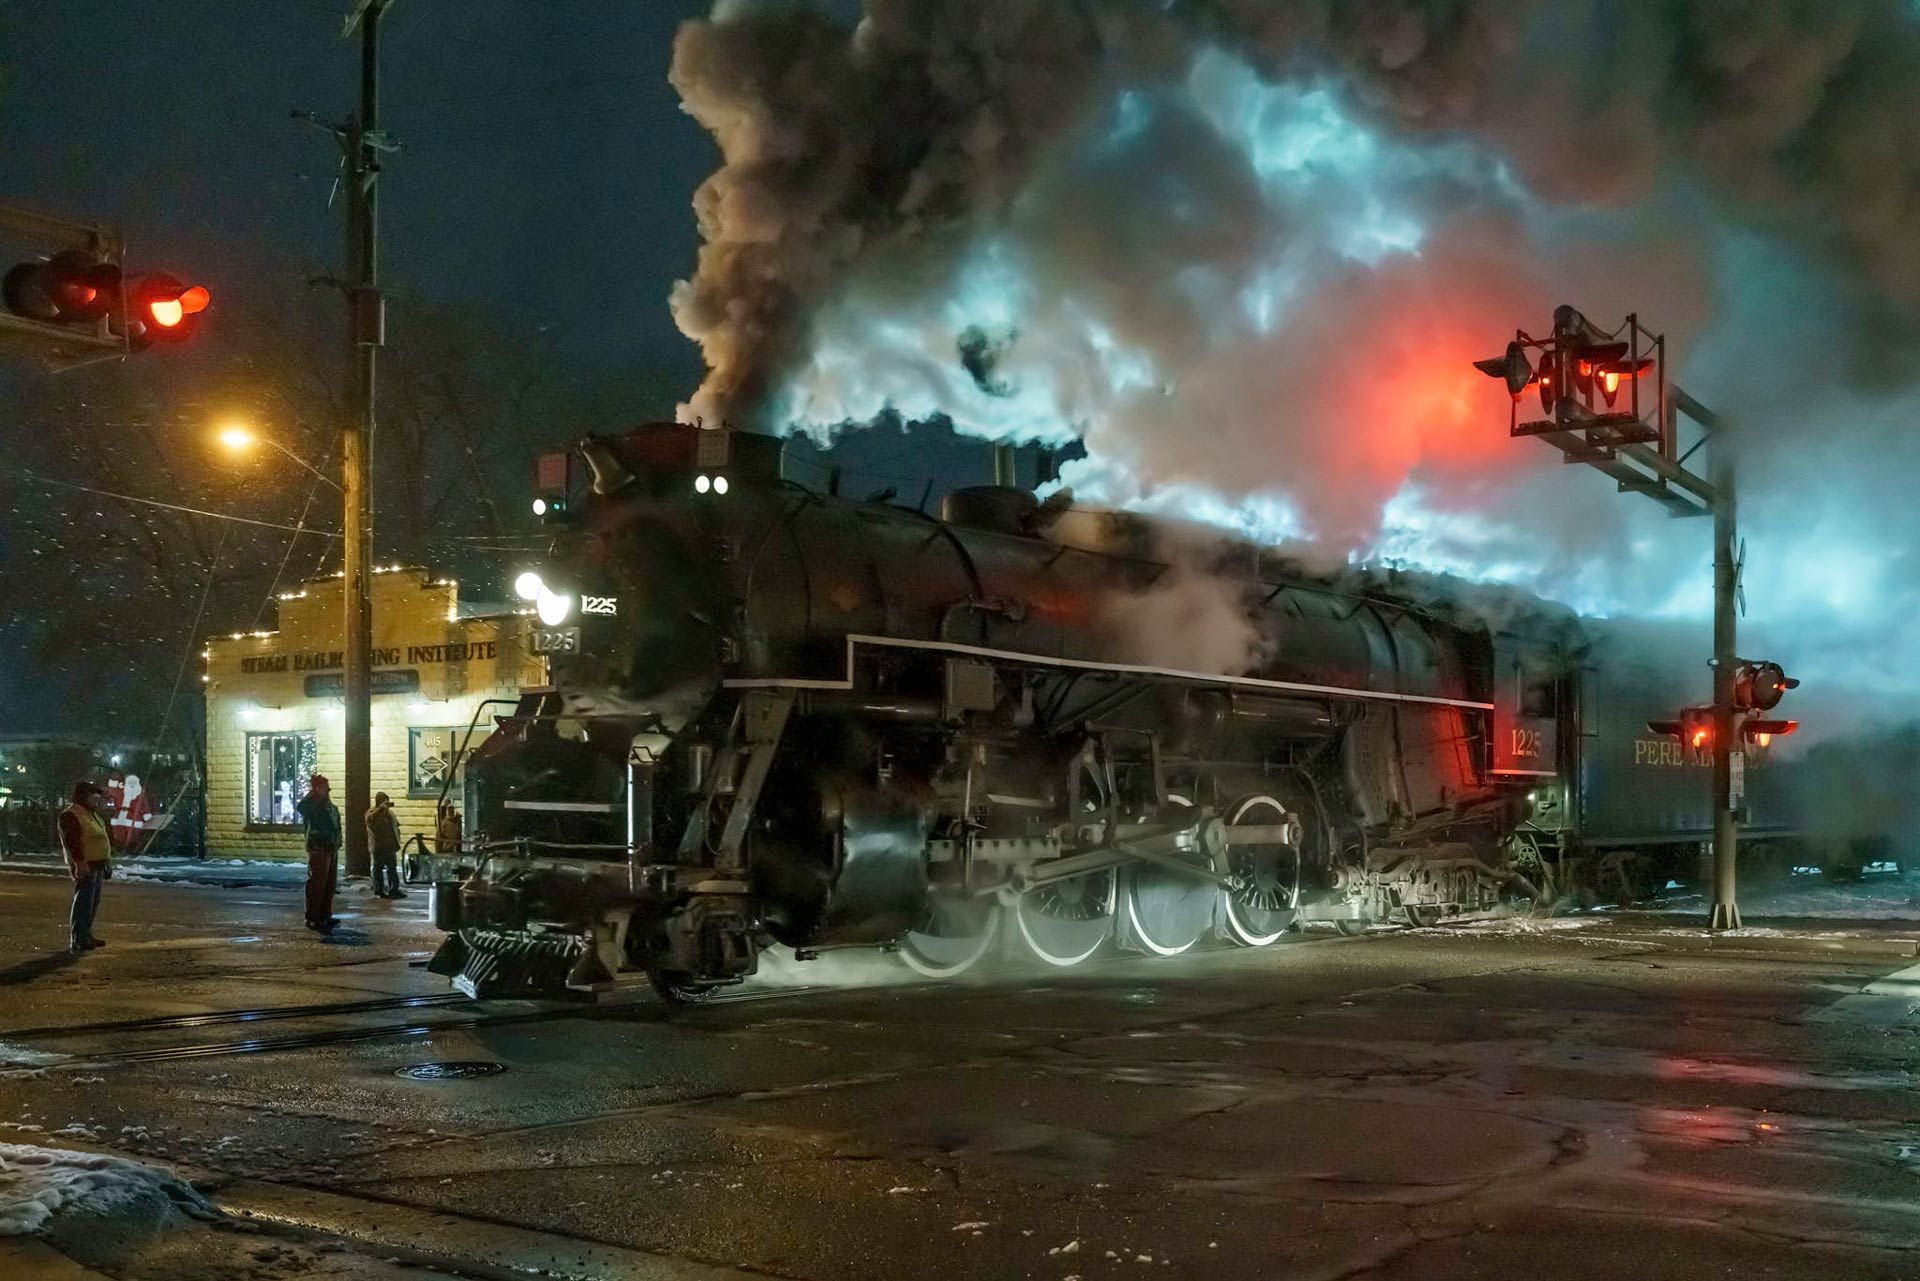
[[1607, 404], [72, 303]]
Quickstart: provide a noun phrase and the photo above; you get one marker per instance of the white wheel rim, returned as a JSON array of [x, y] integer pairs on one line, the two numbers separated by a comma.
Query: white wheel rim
[[921, 965], [1236, 924], [1133, 911], [1062, 960], [1145, 939], [1241, 934]]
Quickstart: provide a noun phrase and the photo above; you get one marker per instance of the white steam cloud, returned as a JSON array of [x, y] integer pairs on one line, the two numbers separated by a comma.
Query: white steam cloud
[[1246, 249]]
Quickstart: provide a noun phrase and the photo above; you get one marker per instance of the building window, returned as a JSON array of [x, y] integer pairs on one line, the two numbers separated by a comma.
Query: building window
[[429, 758], [278, 769]]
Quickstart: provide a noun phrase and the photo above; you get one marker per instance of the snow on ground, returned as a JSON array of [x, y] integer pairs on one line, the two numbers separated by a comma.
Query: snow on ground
[[1872, 898], [21, 1056], [38, 1183]]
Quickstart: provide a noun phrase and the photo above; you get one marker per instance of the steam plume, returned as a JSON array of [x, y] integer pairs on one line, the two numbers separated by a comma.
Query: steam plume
[[1245, 249]]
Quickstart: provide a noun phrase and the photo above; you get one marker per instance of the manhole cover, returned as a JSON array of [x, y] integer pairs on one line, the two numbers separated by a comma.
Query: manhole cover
[[451, 1071]]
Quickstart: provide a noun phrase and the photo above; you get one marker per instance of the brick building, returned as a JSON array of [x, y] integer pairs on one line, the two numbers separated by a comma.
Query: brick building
[[276, 711]]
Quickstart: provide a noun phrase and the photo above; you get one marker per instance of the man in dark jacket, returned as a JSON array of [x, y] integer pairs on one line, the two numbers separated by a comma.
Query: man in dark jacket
[[322, 819], [89, 849], [383, 841]]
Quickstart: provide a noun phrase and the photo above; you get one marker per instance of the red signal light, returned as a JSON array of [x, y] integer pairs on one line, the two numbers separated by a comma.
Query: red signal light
[[169, 312], [1759, 686], [161, 308], [1611, 372], [72, 287]]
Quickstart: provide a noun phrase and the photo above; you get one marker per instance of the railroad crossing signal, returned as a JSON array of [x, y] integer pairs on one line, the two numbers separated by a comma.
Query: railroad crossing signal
[[1758, 686], [1580, 362]]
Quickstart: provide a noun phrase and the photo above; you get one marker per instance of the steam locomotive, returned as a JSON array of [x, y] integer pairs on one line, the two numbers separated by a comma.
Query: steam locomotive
[[778, 715]]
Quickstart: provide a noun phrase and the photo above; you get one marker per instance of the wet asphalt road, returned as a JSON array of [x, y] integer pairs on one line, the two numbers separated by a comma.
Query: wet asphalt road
[[1594, 1102]]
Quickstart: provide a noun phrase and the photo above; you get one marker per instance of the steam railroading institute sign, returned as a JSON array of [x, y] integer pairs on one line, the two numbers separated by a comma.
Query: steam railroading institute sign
[[321, 660]]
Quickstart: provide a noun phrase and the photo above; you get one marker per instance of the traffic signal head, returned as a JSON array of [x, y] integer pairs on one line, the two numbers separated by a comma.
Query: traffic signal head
[[161, 308], [1552, 380], [1513, 368], [1694, 729], [1588, 361], [1764, 732], [70, 288], [552, 483], [1608, 374], [1759, 686]]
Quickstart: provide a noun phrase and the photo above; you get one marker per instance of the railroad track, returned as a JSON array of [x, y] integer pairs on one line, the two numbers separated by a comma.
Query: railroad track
[[468, 1015], [480, 1015], [212, 1018]]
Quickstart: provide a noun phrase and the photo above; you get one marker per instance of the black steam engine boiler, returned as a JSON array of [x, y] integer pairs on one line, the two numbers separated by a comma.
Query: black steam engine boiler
[[781, 715]]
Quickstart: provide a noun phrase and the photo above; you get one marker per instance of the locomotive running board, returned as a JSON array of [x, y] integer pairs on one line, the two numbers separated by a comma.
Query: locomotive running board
[[1087, 665]]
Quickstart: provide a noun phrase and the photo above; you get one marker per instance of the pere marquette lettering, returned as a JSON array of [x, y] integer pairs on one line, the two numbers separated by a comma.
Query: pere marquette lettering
[[331, 660], [1665, 751]]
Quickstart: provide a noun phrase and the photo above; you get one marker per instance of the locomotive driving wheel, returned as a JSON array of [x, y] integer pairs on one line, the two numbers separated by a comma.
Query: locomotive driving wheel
[[1265, 896], [951, 937], [1065, 922], [1167, 913]]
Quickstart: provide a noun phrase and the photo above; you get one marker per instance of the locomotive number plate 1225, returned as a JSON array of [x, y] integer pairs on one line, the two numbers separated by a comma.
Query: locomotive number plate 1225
[[556, 640]]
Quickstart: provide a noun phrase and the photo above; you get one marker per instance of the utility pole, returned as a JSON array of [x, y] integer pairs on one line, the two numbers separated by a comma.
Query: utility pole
[[1580, 362], [366, 332]]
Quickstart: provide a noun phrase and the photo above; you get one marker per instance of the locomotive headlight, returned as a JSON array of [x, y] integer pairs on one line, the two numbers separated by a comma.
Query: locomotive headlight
[[701, 484], [552, 607], [719, 484], [528, 586]]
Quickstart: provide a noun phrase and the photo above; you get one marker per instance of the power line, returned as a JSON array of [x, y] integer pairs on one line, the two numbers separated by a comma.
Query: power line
[[313, 488], [213, 568], [176, 507]]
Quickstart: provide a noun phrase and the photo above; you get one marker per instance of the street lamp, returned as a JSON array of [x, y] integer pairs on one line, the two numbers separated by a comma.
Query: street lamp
[[239, 438], [357, 590]]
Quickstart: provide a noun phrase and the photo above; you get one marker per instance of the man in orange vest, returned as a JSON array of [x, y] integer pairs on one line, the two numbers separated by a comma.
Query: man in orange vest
[[89, 850]]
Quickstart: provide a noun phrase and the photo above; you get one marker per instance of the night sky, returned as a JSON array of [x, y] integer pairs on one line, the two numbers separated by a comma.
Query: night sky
[[545, 179], [546, 167]]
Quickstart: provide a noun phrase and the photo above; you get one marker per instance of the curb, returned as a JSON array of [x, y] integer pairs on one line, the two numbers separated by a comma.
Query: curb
[[31, 1259], [166, 876], [1774, 946], [487, 1249]]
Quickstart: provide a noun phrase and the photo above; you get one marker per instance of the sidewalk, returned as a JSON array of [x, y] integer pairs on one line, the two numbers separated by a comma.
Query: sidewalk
[[229, 873]]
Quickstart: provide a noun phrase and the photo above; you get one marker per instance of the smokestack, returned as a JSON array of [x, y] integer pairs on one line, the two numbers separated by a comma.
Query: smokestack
[[1006, 468]]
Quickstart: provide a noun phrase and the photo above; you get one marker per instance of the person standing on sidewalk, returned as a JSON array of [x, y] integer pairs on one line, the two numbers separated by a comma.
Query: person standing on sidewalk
[[383, 840], [89, 849], [322, 819]]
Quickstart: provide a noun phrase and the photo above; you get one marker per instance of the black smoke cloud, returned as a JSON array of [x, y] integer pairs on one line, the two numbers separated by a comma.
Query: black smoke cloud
[[1244, 251]]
